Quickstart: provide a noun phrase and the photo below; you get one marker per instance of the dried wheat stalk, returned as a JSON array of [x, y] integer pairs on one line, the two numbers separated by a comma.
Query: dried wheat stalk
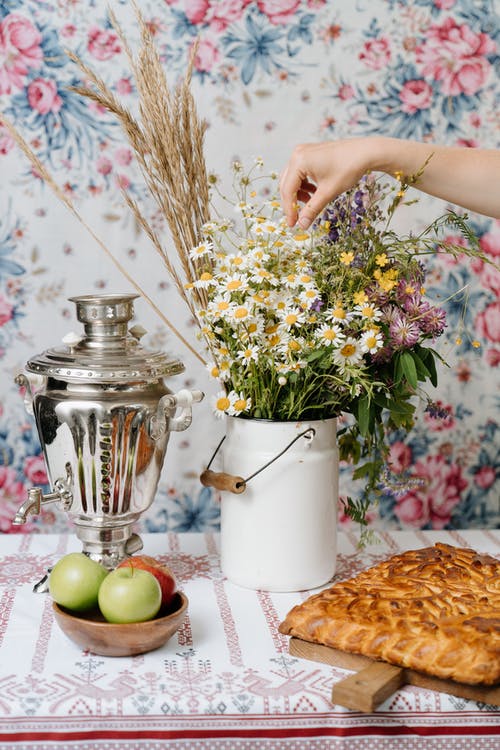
[[65, 199], [168, 141]]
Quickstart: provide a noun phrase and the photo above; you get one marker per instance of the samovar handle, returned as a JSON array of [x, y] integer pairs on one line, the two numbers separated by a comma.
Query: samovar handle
[[24, 382], [165, 418]]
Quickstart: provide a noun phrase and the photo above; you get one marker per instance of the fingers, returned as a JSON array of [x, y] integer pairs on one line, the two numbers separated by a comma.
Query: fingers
[[290, 183], [313, 208]]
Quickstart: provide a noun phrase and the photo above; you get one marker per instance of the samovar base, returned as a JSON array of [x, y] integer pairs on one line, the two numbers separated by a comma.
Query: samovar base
[[109, 544]]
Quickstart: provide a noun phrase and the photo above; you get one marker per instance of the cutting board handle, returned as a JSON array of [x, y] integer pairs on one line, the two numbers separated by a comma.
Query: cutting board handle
[[368, 688]]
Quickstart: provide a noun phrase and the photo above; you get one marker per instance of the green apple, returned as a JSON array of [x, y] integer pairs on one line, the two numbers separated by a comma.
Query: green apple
[[129, 595], [74, 581]]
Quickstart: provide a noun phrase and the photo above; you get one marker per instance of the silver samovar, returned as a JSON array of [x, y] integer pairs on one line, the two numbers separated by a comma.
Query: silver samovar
[[104, 417]]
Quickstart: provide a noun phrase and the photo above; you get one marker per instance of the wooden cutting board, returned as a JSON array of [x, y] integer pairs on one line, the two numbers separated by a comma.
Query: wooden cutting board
[[374, 681]]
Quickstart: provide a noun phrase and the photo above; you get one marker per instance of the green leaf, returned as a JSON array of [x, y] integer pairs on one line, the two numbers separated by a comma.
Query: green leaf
[[365, 415], [400, 407], [430, 363], [422, 371], [409, 369], [314, 355]]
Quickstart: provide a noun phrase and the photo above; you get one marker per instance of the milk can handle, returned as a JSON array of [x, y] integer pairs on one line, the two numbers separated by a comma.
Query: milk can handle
[[231, 483]]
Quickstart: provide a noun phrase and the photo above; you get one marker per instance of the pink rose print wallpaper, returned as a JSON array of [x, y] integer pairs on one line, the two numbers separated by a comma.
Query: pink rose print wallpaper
[[268, 74]]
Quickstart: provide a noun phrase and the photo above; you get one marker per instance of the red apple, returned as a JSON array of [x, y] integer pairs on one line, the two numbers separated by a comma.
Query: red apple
[[161, 572]]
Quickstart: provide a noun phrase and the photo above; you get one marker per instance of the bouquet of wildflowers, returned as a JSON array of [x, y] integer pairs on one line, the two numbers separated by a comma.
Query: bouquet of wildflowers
[[298, 325], [311, 325]]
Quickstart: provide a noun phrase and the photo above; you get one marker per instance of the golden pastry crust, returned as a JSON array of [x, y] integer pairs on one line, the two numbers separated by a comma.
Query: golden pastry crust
[[435, 610]]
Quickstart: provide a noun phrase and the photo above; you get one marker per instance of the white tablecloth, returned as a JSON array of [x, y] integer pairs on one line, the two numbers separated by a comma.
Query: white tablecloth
[[225, 681]]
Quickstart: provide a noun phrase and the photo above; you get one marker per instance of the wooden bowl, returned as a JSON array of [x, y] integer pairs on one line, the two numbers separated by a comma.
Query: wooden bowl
[[91, 631]]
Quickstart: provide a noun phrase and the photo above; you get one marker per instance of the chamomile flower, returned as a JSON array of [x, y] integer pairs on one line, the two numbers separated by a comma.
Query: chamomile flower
[[232, 283], [242, 207], [205, 281], [237, 261], [201, 251], [291, 316], [330, 334], [371, 341], [224, 369], [339, 314], [301, 239], [308, 297], [297, 366], [306, 280], [221, 305], [250, 354], [258, 254], [213, 370], [240, 313], [259, 274], [348, 354], [368, 311], [240, 404], [221, 404]]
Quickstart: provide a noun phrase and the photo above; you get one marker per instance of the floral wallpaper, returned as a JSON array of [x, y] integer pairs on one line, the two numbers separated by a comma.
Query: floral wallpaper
[[268, 74]]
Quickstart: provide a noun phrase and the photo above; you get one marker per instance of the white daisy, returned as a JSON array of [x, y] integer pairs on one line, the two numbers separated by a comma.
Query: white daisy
[[240, 313], [330, 334], [349, 353], [221, 305], [250, 354], [367, 311], [291, 316], [371, 341], [233, 283], [240, 404], [205, 281], [204, 249], [221, 404], [213, 370], [308, 297]]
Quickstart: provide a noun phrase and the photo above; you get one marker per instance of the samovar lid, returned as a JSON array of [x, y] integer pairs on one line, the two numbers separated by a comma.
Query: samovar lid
[[108, 351]]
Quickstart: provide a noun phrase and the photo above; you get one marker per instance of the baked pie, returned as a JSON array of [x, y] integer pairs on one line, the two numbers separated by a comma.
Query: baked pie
[[435, 610]]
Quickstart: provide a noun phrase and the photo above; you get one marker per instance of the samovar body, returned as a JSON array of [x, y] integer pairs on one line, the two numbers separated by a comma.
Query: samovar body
[[104, 416]]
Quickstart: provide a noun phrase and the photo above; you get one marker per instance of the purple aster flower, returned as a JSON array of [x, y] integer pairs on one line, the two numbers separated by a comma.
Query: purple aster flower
[[404, 333], [435, 410]]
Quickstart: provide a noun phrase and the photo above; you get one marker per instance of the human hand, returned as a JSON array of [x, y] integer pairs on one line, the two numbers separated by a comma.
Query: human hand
[[317, 173]]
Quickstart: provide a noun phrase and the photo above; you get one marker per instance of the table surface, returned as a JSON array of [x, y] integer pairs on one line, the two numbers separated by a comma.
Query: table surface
[[224, 681]]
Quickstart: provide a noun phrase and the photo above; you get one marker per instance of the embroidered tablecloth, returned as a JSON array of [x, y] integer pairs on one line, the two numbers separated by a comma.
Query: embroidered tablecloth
[[225, 681]]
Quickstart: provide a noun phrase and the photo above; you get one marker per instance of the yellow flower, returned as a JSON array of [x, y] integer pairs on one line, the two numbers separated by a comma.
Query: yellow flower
[[360, 298], [346, 258], [381, 260]]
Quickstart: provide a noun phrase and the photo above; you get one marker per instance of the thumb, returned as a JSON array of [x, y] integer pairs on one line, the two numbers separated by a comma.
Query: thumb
[[313, 207]]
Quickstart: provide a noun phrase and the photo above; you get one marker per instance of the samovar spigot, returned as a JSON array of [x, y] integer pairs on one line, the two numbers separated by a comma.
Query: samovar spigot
[[36, 498]]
